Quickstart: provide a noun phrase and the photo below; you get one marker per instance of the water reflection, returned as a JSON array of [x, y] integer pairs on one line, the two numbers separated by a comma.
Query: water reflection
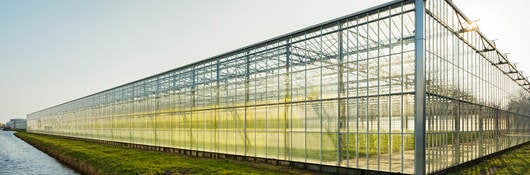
[[18, 157]]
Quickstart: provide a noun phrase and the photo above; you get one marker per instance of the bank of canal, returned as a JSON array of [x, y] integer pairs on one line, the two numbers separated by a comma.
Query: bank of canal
[[92, 158], [18, 157]]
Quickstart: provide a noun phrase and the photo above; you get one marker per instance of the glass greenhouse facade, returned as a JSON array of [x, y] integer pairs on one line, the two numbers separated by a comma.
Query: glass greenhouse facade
[[373, 90]]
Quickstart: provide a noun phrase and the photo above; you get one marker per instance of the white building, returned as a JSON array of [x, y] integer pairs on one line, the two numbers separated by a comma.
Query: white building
[[16, 124]]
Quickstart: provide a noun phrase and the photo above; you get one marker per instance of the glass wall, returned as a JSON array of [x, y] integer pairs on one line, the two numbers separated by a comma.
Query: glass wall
[[339, 93], [475, 104]]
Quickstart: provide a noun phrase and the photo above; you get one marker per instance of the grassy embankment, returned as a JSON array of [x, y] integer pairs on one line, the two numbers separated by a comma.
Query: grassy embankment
[[90, 158], [512, 162]]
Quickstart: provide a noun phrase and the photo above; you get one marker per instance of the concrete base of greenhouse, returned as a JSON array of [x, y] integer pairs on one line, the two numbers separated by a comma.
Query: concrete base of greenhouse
[[194, 153]]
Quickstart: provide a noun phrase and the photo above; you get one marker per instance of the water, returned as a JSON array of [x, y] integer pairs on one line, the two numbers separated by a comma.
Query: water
[[18, 157]]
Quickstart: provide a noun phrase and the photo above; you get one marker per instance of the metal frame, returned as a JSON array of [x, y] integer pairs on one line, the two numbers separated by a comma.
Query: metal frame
[[419, 89], [335, 94], [473, 95]]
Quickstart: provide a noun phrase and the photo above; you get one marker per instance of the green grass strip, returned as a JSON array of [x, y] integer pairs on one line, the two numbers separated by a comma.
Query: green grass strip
[[91, 158], [513, 162]]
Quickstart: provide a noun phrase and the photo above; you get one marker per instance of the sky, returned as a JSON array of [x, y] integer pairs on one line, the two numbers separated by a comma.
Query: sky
[[58, 50]]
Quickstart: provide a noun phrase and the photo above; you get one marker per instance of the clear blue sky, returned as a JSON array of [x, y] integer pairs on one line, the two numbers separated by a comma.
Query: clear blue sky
[[58, 50]]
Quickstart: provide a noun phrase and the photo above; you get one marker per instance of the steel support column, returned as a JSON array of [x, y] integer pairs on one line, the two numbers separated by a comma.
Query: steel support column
[[287, 100], [217, 103], [419, 89], [193, 101], [247, 82], [342, 145]]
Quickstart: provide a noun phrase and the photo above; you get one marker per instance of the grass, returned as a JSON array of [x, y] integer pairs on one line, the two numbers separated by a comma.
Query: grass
[[90, 158], [513, 162]]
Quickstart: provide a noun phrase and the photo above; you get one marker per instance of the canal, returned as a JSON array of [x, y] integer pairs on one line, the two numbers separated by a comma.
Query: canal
[[18, 157]]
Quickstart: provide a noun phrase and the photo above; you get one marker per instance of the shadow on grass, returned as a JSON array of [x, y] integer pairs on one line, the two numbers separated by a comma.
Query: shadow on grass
[[513, 162]]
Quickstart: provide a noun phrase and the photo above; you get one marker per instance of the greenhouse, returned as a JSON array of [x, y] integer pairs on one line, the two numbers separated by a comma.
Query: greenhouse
[[406, 87]]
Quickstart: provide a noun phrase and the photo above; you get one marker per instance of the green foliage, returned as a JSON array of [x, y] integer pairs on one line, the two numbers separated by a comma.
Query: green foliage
[[362, 145], [106, 159], [435, 139], [386, 141]]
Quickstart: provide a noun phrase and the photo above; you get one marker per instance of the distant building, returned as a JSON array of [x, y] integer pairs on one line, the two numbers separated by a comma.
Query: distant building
[[16, 124], [9, 124]]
